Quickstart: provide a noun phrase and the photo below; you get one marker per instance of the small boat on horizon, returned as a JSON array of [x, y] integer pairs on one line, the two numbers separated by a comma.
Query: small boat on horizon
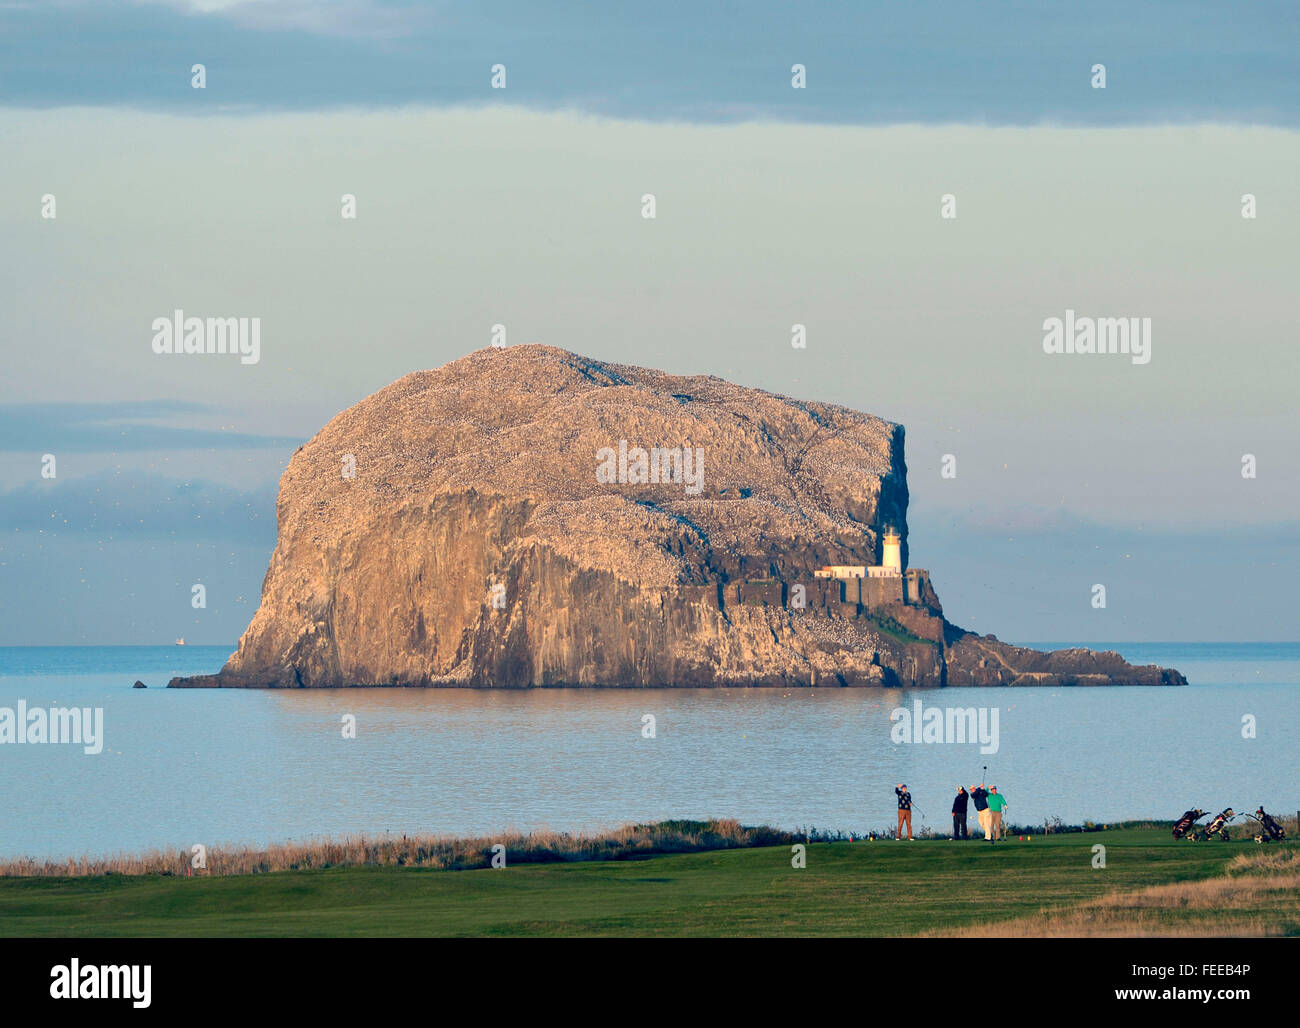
[[180, 641]]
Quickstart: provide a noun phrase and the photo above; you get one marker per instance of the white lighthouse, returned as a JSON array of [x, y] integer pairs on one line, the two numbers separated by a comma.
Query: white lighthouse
[[891, 557]]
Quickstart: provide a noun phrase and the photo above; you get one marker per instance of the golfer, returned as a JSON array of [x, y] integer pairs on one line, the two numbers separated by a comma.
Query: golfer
[[981, 797], [997, 804], [959, 814], [904, 812]]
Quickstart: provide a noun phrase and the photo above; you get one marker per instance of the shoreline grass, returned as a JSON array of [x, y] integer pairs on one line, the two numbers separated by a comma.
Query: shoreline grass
[[458, 853], [435, 852]]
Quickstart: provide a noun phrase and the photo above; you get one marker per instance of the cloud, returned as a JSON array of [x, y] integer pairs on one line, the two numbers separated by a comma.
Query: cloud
[[120, 428], [926, 61], [323, 17]]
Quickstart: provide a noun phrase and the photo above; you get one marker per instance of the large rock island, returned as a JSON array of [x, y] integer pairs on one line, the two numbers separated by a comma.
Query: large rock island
[[531, 517]]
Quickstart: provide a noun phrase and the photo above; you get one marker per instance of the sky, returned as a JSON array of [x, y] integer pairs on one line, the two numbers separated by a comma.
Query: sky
[[522, 206]]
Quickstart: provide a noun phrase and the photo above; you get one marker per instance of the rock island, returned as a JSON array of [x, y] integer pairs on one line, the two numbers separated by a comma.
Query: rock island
[[528, 517]]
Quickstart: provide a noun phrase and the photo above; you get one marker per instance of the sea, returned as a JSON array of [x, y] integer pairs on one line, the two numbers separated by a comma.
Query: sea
[[179, 767]]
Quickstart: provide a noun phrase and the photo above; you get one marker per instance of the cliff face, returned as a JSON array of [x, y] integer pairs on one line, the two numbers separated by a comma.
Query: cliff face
[[485, 524]]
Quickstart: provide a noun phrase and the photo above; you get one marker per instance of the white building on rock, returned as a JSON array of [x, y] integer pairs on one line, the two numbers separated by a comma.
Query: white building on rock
[[891, 558]]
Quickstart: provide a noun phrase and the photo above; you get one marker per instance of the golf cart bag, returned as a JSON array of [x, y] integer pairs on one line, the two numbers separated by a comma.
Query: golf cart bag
[[1219, 826], [1269, 829], [1186, 822]]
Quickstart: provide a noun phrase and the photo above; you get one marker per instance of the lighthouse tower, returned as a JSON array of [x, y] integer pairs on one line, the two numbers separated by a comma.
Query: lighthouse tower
[[891, 557]]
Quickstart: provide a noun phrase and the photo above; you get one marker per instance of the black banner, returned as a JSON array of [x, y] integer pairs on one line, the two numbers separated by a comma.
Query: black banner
[[336, 977]]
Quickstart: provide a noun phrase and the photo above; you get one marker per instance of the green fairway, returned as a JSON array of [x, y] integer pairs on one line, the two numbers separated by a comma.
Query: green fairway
[[863, 888]]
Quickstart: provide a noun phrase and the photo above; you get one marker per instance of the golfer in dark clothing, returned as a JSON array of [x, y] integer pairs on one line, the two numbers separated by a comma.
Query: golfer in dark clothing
[[959, 814], [904, 811], [981, 797]]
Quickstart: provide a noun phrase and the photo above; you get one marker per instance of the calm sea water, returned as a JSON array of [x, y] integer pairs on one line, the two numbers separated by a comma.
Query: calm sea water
[[215, 766]]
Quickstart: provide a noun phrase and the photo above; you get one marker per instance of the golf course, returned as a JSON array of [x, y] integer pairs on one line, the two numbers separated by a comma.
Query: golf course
[[1044, 885]]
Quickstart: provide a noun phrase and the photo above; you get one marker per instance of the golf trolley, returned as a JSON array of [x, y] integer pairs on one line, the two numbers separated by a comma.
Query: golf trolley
[[1187, 822], [1269, 829], [1218, 827]]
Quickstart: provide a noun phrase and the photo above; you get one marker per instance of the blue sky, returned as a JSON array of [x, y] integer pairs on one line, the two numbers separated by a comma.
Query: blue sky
[[521, 206]]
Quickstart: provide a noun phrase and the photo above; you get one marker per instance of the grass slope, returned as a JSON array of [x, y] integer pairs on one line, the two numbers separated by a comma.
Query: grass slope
[[877, 888]]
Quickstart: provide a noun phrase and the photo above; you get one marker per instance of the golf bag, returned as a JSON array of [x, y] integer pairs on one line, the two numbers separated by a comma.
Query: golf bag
[[1270, 830], [1185, 822], [1217, 827]]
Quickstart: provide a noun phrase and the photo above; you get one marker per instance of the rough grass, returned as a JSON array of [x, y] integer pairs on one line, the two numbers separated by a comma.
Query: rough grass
[[888, 626], [1258, 895], [446, 853]]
